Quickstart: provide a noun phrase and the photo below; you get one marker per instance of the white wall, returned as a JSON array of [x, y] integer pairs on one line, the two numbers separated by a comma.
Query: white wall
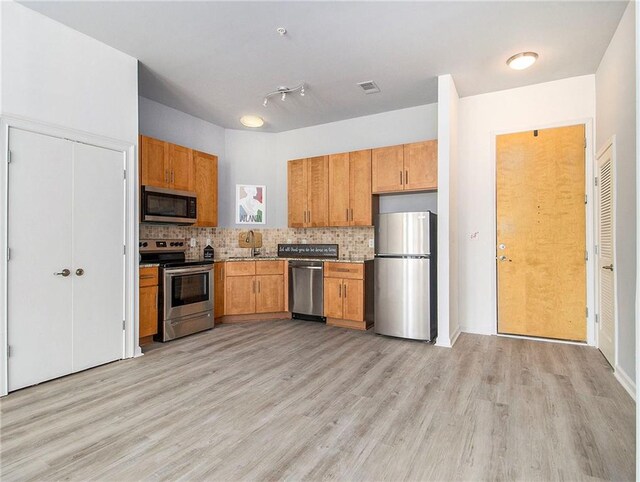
[[53, 74], [480, 118], [448, 106], [615, 106], [252, 159]]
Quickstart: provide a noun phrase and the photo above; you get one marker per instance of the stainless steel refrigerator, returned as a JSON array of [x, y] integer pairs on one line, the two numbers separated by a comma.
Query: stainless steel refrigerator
[[405, 294]]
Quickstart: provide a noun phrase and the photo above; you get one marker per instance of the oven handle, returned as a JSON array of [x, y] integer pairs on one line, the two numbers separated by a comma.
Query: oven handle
[[173, 272]]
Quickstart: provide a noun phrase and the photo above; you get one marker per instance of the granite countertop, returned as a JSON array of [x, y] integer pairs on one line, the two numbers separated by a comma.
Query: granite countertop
[[358, 259]]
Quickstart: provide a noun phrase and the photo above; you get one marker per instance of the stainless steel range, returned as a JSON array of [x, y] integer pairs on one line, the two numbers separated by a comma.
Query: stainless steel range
[[186, 288]]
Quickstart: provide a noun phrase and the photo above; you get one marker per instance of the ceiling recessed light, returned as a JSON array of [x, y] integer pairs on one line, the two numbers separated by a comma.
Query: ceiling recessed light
[[522, 60], [251, 121]]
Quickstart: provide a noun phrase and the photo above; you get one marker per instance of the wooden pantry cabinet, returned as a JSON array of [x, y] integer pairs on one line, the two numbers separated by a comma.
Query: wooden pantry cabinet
[[149, 285], [408, 167], [344, 295], [254, 287], [308, 192], [167, 165], [350, 189]]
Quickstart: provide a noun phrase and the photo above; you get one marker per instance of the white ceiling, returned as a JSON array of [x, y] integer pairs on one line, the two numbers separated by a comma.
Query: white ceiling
[[216, 60]]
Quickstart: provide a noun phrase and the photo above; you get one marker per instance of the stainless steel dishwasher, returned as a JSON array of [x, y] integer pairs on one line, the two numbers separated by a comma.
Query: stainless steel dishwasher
[[306, 290]]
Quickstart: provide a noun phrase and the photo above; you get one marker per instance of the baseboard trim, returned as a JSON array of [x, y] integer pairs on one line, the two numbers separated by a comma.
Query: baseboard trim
[[455, 336], [625, 381], [253, 317]]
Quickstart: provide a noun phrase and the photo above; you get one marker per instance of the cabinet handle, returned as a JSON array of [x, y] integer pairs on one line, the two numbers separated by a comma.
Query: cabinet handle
[[351, 214], [305, 216], [340, 291], [347, 214], [406, 177], [309, 216], [345, 290], [401, 178], [172, 176], [166, 176], [259, 286]]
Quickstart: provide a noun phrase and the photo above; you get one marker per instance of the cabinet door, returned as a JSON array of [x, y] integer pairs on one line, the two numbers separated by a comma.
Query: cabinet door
[[387, 169], [154, 162], [240, 295], [181, 160], [148, 311], [353, 299], [360, 188], [421, 165], [270, 295], [333, 297], [318, 191], [218, 290], [205, 167], [297, 193], [339, 214]]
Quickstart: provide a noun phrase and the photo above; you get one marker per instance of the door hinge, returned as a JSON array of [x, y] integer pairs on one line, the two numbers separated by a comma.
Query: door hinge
[[595, 180], [597, 318], [8, 351], [8, 254], [587, 311], [124, 249], [125, 174], [586, 255], [9, 157], [596, 249], [585, 199], [123, 325]]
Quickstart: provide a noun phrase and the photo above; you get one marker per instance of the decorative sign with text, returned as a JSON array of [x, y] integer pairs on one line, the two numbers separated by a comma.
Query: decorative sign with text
[[308, 251]]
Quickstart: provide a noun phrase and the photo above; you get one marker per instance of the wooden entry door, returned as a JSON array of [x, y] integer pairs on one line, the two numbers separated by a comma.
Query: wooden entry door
[[541, 233]]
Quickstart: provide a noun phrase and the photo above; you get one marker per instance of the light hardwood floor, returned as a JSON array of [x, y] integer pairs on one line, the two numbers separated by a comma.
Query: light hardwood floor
[[301, 400]]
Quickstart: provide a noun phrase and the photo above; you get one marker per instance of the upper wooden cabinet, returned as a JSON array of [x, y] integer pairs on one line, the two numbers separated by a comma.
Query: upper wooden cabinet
[[163, 164], [308, 192], [154, 162], [409, 167], [421, 166], [350, 189], [205, 169]]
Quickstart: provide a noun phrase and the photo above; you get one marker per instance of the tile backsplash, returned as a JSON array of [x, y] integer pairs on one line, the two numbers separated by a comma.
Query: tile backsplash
[[353, 242]]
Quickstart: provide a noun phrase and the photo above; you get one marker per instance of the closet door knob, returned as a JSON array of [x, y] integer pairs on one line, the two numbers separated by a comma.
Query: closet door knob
[[64, 273], [79, 272]]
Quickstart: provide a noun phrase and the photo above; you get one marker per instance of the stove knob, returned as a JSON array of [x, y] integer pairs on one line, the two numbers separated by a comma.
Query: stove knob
[[145, 244], [181, 243], [171, 243]]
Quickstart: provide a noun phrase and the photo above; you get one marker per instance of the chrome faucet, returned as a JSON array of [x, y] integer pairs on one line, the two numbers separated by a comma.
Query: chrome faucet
[[251, 238]]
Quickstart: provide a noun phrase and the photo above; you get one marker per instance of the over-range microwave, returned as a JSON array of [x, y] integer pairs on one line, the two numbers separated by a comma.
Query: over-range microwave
[[160, 205]]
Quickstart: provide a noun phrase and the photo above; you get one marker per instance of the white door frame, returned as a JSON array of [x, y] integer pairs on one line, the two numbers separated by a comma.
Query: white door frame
[[130, 346], [610, 143], [590, 223]]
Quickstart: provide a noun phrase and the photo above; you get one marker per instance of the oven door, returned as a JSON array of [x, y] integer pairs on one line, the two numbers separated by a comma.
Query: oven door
[[187, 291], [161, 205]]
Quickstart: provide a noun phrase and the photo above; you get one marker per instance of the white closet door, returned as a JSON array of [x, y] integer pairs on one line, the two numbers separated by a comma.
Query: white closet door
[[606, 281], [98, 240], [39, 219]]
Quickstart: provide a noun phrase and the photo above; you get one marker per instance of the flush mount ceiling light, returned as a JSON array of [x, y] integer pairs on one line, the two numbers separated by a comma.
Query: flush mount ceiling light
[[282, 92], [522, 60], [251, 121]]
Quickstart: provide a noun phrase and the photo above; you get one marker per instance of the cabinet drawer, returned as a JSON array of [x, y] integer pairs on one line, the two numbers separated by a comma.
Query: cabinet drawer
[[241, 268], [344, 270], [148, 277], [269, 267]]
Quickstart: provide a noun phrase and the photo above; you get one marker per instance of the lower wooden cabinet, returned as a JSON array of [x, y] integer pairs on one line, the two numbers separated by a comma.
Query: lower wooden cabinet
[[344, 295], [218, 289], [254, 287], [148, 304]]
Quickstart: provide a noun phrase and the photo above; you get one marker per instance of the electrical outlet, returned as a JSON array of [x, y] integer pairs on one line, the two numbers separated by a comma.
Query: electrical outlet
[[371, 243], [193, 242], [208, 241], [288, 241]]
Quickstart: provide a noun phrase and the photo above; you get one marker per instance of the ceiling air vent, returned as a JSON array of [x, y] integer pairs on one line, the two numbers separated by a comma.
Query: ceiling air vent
[[369, 87]]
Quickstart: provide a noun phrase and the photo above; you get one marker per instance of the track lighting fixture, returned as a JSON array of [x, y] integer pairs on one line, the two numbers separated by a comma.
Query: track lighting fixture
[[282, 92]]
